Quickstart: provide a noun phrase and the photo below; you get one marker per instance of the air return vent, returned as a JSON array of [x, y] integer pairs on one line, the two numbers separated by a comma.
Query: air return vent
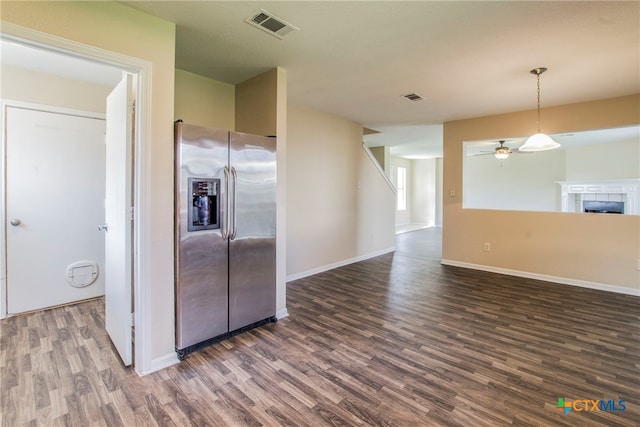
[[413, 97], [271, 24]]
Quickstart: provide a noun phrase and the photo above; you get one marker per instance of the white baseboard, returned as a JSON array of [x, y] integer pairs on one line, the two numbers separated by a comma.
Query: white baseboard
[[342, 263], [281, 314], [161, 363], [545, 277]]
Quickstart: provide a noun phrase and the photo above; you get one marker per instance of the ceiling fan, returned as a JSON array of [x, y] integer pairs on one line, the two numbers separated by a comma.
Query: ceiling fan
[[502, 151]]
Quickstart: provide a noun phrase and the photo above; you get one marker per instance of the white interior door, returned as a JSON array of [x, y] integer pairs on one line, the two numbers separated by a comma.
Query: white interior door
[[54, 198], [118, 218]]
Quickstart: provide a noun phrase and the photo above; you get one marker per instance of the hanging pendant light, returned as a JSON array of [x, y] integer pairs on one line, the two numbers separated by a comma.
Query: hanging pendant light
[[539, 141]]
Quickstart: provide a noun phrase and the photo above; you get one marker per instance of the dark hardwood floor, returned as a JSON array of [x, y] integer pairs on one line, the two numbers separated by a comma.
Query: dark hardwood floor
[[397, 340]]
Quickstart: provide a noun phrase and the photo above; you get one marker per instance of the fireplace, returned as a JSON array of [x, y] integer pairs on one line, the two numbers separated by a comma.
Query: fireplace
[[618, 196], [596, 206]]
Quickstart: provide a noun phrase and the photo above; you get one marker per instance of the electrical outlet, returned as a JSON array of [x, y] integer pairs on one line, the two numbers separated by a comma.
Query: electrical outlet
[[487, 247]]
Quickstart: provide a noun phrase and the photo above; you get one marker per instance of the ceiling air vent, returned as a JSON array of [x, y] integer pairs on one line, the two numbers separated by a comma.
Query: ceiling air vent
[[271, 24], [413, 97]]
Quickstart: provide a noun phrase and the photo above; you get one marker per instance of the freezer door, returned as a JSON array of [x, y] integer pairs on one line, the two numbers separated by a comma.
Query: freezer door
[[202, 256], [252, 245]]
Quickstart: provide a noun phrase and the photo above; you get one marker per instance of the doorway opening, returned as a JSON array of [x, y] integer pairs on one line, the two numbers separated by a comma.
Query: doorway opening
[[60, 62]]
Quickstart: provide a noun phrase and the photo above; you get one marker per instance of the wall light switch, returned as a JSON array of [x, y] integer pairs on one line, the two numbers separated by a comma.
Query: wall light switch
[[452, 193]]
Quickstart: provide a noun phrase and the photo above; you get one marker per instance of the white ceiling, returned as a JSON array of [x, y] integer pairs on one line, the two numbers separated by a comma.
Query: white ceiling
[[468, 59]]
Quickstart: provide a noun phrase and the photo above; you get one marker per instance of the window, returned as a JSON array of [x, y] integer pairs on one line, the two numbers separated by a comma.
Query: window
[[401, 186], [555, 180]]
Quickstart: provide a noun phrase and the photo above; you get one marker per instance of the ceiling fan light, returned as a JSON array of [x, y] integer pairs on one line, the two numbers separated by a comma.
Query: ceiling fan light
[[539, 142], [501, 155]]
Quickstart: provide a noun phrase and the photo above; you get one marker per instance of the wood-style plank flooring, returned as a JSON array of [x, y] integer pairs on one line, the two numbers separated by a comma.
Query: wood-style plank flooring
[[397, 340]]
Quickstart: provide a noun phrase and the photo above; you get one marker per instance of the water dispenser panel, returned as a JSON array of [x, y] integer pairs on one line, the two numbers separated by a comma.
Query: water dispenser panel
[[204, 213]]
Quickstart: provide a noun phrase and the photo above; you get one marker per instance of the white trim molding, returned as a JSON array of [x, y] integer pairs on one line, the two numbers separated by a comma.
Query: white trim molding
[[377, 165], [342, 263], [161, 363], [281, 314], [544, 277]]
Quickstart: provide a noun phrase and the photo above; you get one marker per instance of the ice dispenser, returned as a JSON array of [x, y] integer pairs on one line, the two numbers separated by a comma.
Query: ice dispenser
[[205, 207]]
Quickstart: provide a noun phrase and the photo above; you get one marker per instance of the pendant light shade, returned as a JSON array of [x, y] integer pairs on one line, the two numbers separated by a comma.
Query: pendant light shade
[[539, 141]]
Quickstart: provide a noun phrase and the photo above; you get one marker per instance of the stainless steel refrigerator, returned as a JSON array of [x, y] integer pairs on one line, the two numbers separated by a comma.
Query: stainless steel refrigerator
[[225, 193]]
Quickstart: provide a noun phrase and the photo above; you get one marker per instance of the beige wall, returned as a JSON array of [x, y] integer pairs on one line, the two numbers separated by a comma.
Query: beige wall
[[118, 28], [339, 207], [204, 102], [24, 85], [597, 249], [256, 104], [382, 156]]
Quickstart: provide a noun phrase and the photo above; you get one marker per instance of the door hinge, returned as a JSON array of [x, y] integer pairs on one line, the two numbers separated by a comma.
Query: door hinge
[[131, 214], [133, 317]]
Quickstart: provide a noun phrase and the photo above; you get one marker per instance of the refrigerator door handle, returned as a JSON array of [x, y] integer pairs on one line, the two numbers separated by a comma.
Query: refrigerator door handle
[[234, 225], [225, 220]]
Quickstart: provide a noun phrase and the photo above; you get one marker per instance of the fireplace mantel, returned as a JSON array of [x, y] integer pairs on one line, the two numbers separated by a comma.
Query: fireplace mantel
[[622, 190]]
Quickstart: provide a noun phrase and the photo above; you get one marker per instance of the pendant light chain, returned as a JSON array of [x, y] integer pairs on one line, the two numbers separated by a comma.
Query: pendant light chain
[[538, 77], [538, 141]]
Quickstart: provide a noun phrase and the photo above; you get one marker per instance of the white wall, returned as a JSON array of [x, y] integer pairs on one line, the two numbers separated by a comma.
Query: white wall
[[338, 207], [439, 192], [619, 160], [423, 182], [423, 192], [522, 182], [402, 216]]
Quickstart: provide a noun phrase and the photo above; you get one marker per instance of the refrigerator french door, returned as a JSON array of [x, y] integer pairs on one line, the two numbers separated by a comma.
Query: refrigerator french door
[[225, 233]]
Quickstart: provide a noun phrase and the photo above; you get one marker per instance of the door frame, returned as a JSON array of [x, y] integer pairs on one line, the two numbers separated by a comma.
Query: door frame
[[142, 238]]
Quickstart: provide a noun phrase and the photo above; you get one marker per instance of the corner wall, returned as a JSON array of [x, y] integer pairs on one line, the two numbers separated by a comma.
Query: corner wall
[[340, 208], [257, 104], [590, 250], [204, 102]]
